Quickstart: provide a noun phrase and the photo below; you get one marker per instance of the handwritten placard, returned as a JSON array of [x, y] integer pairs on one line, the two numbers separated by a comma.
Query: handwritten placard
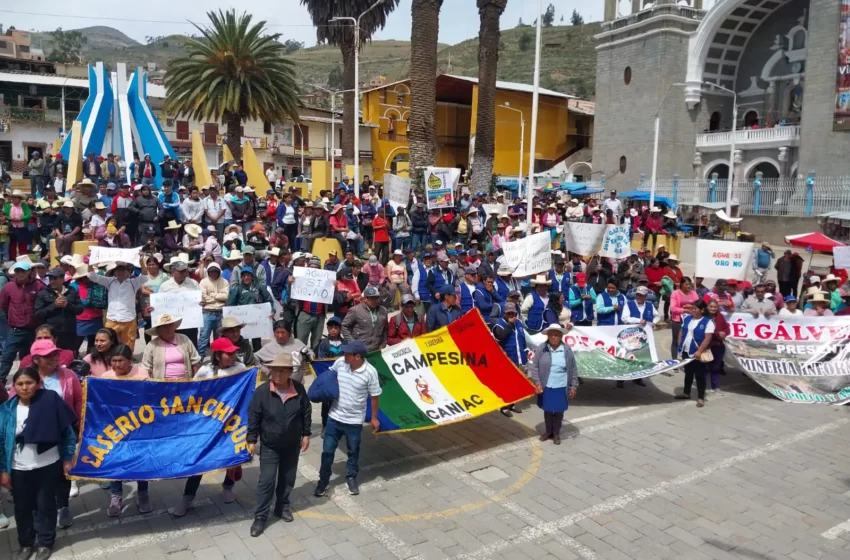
[[313, 284], [257, 320], [723, 259], [615, 242], [179, 304], [583, 239], [841, 256], [113, 254], [529, 255], [397, 190]]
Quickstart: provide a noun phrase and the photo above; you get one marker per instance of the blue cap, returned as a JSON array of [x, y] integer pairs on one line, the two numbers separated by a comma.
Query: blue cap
[[270, 191], [371, 291], [790, 298], [354, 347], [473, 253], [470, 270], [452, 252], [335, 321], [446, 290], [247, 269], [462, 252], [427, 255], [22, 265]]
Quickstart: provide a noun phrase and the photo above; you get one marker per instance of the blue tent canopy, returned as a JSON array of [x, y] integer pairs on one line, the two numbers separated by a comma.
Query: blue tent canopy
[[507, 184], [643, 195], [585, 190]]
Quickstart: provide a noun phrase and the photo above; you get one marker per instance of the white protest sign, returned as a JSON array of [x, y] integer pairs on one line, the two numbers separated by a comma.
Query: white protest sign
[[440, 186], [529, 255], [584, 239], [256, 318], [397, 190], [723, 259], [113, 254], [615, 242], [841, 256], [495, 209], [313, 284], [179, 304]]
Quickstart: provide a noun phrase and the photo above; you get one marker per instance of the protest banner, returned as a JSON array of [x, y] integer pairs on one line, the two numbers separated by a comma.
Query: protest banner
[[723, 259], [529, 255], [153, 430], [616, 243], [841, 256], [256, 318], [454, 373], [397, 190], [583, 239], [440, 186], [179, 304], [617, 353], [113, 254], [796, 359], [313, 284]]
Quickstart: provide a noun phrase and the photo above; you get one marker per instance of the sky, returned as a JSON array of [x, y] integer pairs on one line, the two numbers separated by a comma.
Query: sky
[[458, 18]]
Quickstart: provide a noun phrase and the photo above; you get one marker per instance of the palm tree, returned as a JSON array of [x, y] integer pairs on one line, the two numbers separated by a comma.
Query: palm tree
[[235, 72], [489, 12], [423, 88], [342, 34]]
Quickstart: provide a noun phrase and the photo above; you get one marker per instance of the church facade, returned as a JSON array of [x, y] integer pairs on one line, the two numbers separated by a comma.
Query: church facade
[[773, 67]]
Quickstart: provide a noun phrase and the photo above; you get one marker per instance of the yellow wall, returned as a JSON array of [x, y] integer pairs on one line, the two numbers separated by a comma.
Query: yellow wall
[[553, 127]]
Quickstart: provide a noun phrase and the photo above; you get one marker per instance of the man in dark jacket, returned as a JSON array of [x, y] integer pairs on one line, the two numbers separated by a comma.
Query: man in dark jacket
[[319, 224], [279, 415], [58, 306], [445, 312], [167, 166], [407, 324], [421, 227], [148, 208]]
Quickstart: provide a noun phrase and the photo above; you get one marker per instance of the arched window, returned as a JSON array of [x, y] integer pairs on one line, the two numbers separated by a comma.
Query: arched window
[[714, 122], [751, 118]]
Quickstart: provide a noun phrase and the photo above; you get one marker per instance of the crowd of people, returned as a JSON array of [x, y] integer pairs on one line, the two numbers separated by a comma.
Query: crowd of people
[[399, 274]]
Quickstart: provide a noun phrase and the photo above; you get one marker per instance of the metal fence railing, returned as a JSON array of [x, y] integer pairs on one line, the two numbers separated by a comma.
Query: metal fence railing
[[809, 196]]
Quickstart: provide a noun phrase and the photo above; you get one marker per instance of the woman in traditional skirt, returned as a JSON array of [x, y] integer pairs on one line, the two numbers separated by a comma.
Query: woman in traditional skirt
[[18, 213], [555, 375]]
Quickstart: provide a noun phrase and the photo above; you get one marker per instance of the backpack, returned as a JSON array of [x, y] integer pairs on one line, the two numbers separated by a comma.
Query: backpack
[[762, 258]]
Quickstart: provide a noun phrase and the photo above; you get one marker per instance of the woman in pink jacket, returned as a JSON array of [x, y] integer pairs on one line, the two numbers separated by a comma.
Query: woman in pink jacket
[[681, 297]]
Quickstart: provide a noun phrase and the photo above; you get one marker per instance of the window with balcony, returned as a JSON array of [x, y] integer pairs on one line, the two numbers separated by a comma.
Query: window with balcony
[[302, 137], [182, 130], [210, 133]]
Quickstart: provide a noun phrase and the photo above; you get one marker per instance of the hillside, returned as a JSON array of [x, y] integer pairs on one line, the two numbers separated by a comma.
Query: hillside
[[568, 59]]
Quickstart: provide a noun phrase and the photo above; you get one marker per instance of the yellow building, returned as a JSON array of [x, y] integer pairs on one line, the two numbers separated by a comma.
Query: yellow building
[[561, 131]]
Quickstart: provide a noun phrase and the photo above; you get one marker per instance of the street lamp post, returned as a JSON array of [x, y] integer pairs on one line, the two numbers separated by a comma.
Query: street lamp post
[[732, 148], [333, 95], [655, 146], [356, 23], [521, 143], [535, 98]]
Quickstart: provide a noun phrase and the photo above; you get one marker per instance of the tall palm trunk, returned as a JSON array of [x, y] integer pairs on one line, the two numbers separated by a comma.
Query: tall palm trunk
[[423, 96], [489, 12], [350, 108], [233, 123]]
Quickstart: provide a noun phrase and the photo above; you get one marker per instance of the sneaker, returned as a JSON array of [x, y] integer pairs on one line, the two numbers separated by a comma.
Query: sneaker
[[43, 553], [65, 519], [353, 487], [115, 503], [143, 502], [184, 505], [75, 490], [4, 521], [228, 496], [321, 489], [24, 553]]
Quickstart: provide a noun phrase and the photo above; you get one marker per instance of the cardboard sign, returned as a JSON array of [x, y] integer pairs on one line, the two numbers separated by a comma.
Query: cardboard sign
[[256, 318], [584, 239], [615, 242], [113, 254], [529, 255], [397, 190], [440, 185], [841, 256], [723, 259], [179, 304], [313, 284]]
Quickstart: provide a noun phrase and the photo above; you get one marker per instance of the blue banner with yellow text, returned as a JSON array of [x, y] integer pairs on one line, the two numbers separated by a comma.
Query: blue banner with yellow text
[[150, 430]]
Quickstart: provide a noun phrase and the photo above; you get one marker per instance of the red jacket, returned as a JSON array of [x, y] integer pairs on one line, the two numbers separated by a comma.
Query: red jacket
[[398, 331], [18, 302]]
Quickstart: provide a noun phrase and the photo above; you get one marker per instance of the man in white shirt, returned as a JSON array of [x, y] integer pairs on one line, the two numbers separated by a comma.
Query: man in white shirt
[[217, 211], [121, 293], [613, 203], [639, 312], [358, 381], [271, 176], [180, 282]]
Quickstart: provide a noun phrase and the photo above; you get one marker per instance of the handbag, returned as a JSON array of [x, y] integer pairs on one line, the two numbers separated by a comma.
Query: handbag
[[706, 357]]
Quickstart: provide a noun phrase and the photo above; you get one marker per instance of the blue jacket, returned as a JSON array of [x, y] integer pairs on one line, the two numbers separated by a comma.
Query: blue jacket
[[241, 177], [534, 320], [8, 423], [484, 300], [563, 286], [512, 340], [438, 316], [605, 314], [281, 208], [277, 281], [466, 300], [698, 335]]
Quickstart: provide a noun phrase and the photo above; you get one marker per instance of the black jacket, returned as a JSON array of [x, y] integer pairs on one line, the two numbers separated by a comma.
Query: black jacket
[[279, 424], [63, 319], [421, 225]]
